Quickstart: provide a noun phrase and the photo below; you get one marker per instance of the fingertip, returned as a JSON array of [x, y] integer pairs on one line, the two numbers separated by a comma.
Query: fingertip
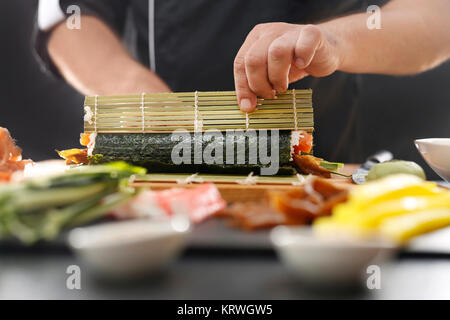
[[246, 105]]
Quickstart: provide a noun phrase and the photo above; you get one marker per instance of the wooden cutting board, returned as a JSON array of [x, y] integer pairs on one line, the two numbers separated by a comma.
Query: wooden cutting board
[[234, 192]]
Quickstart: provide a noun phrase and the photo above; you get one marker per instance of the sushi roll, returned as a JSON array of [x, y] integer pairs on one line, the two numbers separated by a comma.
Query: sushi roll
[[235, 152]]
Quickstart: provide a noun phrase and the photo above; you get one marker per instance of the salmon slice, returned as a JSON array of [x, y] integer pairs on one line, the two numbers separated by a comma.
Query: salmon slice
[[10, 156]]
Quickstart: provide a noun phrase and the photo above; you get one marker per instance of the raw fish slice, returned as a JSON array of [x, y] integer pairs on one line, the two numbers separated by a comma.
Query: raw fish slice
[[10, 156], [198, 203]]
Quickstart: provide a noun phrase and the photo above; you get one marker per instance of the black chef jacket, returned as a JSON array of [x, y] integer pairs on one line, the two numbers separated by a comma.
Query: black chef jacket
[[191, 45]]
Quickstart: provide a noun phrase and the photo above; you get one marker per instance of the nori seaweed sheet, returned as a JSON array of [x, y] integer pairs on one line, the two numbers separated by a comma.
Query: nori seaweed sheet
[[153, 151]]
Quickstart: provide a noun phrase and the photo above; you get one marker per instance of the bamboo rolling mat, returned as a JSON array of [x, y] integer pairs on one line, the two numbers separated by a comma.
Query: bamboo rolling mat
[[232, 191], [195, 111]]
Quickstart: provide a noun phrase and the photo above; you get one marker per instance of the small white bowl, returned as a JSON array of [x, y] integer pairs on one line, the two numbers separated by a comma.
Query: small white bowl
[[436, 153], [327, 261], [129, 248]]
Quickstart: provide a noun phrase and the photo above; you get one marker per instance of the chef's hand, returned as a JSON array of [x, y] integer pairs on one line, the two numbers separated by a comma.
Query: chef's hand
[[276, 54]]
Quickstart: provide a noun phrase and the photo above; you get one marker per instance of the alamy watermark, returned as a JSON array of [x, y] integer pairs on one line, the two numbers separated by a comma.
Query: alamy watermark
[[73, 21], [374, 20], [374, 278], [228, 148], [73, 281]]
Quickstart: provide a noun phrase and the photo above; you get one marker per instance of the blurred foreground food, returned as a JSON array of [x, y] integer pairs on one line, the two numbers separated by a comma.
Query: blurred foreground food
[[197, 203], [314, 198], [39, 208], [396, 207], [384, 169]]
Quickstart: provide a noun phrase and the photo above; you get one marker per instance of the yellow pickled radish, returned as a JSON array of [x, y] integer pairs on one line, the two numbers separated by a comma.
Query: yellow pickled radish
[[398, 206], [403, 228]]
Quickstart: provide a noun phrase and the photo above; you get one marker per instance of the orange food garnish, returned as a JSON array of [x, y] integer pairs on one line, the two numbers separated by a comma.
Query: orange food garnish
[[311, 165], [74, 156], [10, 156], [5, 176], [85, 139], [304, 144]]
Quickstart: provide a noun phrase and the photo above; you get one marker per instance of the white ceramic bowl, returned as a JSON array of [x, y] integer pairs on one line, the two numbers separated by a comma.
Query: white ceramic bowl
[[436, 153], [327, 260], [129, 248]]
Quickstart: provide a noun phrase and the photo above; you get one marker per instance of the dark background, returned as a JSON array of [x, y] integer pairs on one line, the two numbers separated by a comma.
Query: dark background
[[45, 114]]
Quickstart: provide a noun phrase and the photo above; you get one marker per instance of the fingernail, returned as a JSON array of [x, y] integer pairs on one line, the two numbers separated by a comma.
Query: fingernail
[[281, 90], [246, 105], [299, 63]]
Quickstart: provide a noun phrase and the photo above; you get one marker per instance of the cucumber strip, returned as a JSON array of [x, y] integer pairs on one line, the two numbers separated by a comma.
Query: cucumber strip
[[40, 208], [331, 166], [98, 211], [30, 200]]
